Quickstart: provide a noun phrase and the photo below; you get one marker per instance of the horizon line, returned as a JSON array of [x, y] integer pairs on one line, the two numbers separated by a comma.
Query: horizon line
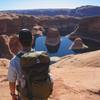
[[48, 8]]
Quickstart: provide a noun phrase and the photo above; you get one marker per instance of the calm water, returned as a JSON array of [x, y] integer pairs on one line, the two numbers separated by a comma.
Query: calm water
[[63, 48]]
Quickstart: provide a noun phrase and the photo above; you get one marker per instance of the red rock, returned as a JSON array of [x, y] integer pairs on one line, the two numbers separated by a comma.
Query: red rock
[[4, 48], [14, 44], [76, 77], [89, 28]]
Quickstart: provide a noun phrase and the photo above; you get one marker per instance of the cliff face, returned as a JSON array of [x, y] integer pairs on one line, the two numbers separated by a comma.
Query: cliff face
[[65, 24], [89, 31], [90, 26], [12, 23], [8, 23], [4, 47]]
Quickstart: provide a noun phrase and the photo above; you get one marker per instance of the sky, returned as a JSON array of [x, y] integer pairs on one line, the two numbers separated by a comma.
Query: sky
[[42, 4]]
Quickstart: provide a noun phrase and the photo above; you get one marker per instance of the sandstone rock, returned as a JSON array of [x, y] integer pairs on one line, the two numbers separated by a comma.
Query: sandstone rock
[[4, 95], [76, 77], [4, 63], [8, 23], [65, 24], [12, 23], [88, 30], [4, 48], [27, 21], [14, 44]]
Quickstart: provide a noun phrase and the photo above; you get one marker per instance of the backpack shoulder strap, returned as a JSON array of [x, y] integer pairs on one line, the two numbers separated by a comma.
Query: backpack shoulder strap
[[19, 54]]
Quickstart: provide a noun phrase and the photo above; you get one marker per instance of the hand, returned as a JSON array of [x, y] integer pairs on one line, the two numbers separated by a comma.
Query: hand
[[14, 97]]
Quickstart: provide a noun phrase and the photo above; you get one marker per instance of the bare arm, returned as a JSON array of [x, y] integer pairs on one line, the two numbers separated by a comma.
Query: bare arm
[[12, 87], [12, 77]]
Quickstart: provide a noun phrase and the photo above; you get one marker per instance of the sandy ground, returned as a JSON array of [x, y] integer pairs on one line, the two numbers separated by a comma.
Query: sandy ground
[[76, 77]]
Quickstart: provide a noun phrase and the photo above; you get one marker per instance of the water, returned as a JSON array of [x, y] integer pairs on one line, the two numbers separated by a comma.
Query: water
[[63, 48]]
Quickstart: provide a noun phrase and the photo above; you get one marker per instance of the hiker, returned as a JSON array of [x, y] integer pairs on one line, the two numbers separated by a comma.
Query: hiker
[[28, 72], [37, 31], [52, 40]]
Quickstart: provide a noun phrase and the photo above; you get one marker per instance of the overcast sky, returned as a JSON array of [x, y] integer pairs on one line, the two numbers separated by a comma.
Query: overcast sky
[[42, 4]]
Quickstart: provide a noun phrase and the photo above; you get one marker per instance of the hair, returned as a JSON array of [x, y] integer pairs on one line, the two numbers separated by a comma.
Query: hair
[[25, 37]]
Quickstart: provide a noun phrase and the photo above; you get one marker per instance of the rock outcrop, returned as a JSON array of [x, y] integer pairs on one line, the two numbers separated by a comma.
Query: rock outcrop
[[89, 31], [76, 77], [65, 24], [8, 23], [14, 44], [89, 27], [4, 47], [12, 23]]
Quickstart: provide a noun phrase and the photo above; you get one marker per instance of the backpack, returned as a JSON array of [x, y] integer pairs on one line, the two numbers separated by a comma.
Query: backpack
[[35, 71]]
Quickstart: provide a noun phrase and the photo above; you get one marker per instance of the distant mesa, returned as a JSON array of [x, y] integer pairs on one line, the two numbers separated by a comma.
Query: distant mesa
[[88, 10]]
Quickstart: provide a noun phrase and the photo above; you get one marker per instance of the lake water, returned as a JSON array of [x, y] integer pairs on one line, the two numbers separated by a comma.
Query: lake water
[[63, 48]]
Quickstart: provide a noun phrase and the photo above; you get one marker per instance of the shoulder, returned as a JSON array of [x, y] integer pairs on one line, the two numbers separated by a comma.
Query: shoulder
[[14, 61]]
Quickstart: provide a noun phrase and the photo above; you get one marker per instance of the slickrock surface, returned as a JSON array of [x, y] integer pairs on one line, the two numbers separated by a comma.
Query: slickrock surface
[[76, 77]]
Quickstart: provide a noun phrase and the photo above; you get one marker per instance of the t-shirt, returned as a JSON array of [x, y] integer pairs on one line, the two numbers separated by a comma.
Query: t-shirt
[[14, 70]]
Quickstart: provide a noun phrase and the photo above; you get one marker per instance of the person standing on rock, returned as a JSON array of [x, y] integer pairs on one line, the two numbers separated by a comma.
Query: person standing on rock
[[28, 72]]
